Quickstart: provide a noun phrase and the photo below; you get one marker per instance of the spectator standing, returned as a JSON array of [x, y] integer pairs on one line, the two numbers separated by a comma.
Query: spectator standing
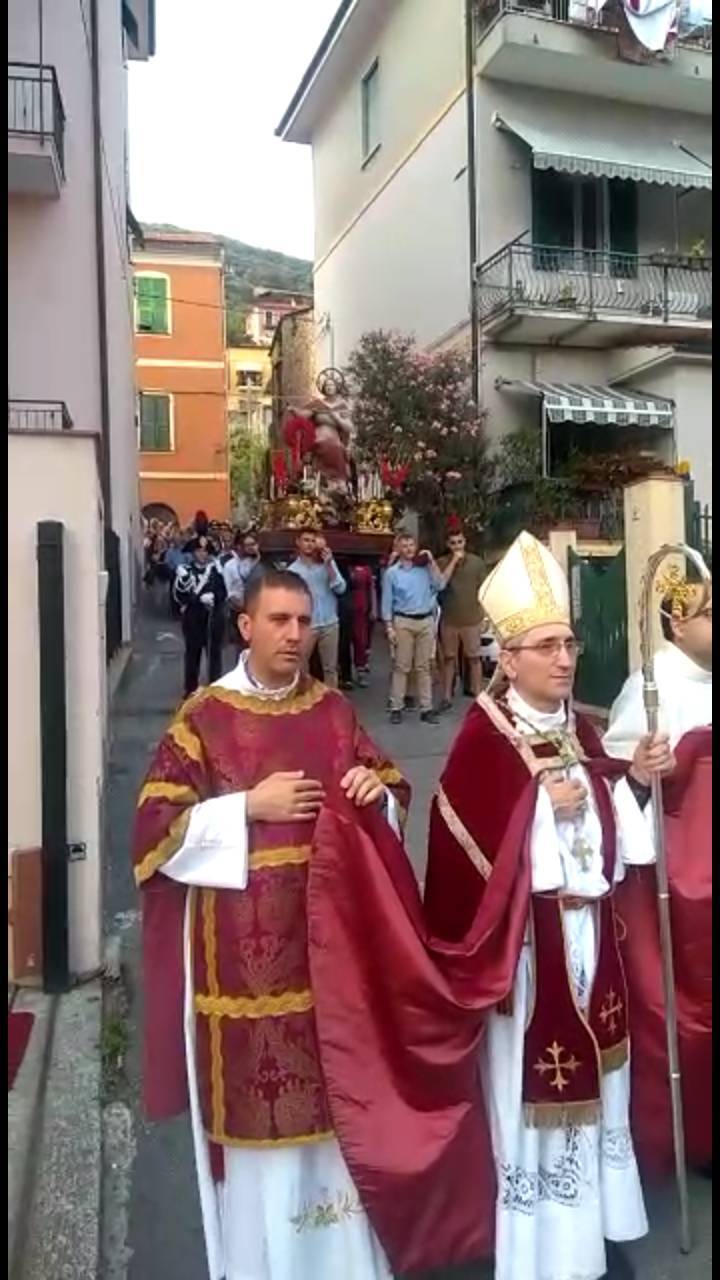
[[237, 569], [200, 594], [315, 565], [461, 615], [409, 597]]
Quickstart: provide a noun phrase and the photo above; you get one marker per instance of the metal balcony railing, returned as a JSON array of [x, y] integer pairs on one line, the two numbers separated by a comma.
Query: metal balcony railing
[[583, 13], [595, 283], [35, 107], [38, 415]]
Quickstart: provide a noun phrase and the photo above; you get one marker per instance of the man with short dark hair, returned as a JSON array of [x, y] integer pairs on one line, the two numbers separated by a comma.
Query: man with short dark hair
[[225, 831], [199, 593], [461, 615], [317, 568], [409, 600]]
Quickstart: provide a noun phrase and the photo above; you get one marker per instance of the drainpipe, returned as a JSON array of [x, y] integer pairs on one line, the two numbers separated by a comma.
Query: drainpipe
[[472, 196], [100, 267]]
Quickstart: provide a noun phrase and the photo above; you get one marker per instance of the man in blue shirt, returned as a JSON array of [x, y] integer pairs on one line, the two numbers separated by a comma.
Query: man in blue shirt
[[315, 565], [409, 604]]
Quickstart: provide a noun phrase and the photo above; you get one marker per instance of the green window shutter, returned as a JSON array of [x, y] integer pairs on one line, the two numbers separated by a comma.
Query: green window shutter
[[553, 217], [152, 304], [623, 226], [154, 424]]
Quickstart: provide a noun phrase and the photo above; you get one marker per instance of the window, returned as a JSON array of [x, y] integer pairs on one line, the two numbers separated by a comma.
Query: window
[[269, 320], [155, 432], [370, 111], [248, 378], [152, 309], [584, 223]]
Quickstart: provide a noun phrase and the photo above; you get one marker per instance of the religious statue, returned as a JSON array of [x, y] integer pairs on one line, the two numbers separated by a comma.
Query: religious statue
[[331, 415]]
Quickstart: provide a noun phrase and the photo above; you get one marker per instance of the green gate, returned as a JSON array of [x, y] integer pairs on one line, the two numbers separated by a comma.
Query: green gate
[[598, 596]]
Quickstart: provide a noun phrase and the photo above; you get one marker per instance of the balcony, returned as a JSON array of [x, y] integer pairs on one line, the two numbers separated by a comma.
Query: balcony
[[541, 295], [568, 45], [36, 131], [38, 416]]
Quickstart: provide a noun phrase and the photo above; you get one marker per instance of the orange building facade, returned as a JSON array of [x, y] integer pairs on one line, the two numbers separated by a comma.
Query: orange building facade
[[180, 372]]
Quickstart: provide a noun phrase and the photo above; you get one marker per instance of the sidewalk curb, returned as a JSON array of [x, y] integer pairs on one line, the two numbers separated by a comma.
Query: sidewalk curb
[[25, 1117], [57, 1154]]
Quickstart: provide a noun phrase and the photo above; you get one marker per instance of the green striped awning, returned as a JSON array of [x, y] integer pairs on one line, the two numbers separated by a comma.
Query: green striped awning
[[576, 402], [638, 146]]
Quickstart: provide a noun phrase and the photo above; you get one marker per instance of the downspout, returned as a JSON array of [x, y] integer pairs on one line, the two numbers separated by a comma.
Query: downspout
[[100, 267], [472, 197]]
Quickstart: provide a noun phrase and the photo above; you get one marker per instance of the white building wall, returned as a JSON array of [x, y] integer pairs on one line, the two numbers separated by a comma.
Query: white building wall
[[64, 487], [53, 351], [687, 381], [404, 263]]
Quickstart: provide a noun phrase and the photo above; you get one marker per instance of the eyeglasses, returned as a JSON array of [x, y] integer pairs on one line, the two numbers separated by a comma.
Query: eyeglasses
[[552, 648]]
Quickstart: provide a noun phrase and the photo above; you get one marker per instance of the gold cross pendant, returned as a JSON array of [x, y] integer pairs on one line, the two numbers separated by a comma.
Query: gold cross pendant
[[583, 852]]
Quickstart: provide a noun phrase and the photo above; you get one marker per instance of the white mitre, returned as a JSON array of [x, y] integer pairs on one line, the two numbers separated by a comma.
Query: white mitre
[[526, 589]]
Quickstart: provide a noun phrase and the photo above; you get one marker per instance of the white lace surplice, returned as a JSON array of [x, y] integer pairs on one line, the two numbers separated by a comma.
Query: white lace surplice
[[561, 1192]]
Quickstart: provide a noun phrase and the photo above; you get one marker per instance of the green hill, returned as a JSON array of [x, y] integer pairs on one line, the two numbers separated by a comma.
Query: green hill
[[247, 268]]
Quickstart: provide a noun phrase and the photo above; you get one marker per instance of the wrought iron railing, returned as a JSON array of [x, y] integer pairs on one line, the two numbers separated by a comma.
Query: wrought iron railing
[[582, 13], [35, 107], [38, 415], [523, 276]]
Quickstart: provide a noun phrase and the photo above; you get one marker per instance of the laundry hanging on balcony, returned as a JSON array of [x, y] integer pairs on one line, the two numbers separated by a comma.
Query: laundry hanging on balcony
[[632, 146], [576, 402]]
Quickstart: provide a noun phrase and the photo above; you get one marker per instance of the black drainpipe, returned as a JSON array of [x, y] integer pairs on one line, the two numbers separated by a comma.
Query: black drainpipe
[[100, 269], [472, 195]]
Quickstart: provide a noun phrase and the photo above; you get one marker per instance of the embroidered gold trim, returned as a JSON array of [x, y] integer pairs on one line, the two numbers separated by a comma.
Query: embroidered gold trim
[[284, 856], [216, 1006], [560, 1115], [460, 832], [302, 1140], [390, 776], [615, 1057], [163, 851], [292, 705], [546, 608], [217, 1085], [171, 791], [184, 738]]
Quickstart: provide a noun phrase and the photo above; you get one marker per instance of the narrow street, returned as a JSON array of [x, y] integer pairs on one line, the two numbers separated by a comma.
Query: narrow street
[[165, 1234]]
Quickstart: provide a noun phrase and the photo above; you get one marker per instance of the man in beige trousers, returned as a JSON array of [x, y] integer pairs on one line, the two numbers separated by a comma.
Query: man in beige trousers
[[409, 602]]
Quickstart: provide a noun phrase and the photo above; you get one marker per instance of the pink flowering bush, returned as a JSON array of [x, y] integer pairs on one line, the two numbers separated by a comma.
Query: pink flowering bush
[[415, 411]]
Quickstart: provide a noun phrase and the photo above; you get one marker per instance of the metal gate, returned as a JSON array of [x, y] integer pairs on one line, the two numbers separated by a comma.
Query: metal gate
[[598, 595]]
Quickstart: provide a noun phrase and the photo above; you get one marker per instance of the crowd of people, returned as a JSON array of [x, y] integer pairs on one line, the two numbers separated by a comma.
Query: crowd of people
[[429, 609], [384, 1079]]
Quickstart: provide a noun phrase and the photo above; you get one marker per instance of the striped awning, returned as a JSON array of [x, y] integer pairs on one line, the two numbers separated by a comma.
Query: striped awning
[[636, 147], [576, 402]]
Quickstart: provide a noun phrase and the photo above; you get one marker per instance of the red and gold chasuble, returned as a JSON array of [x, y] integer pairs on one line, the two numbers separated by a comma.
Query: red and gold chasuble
[[493, 772], [258, 1060]]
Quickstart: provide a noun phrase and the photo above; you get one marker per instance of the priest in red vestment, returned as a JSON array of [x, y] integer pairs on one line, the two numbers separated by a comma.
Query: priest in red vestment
[[292, 998], [531, 811], [683, 674]]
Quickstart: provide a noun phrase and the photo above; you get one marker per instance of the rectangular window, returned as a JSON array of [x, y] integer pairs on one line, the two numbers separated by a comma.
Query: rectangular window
[[249, 378], [584, 224], [155, 423], [153, 311], [370, 97], [269, 319]]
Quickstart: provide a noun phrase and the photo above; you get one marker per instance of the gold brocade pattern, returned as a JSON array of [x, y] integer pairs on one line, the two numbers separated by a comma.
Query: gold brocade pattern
[[163, 851], [284, 856], [170, 791], [216, 1063], [546, 608], [389, 776], [184, 738], [254, 1007], [462, 835], [294, 704]]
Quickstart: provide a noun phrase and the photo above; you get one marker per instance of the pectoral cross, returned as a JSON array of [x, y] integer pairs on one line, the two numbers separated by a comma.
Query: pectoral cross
[[582, 851]]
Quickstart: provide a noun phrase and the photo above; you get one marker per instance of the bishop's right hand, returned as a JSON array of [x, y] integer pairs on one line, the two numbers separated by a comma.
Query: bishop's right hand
[[568, 797], [285, 797]]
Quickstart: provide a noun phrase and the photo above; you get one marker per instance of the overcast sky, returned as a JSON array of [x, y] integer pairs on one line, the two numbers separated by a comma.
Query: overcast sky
[[203, 113]]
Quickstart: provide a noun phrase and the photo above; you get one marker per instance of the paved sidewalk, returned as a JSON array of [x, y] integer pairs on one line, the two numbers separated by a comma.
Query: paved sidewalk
[[157, 1231]]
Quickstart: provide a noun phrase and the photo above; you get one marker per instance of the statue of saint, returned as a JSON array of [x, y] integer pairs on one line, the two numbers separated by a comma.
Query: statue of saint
[[331, 415]]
